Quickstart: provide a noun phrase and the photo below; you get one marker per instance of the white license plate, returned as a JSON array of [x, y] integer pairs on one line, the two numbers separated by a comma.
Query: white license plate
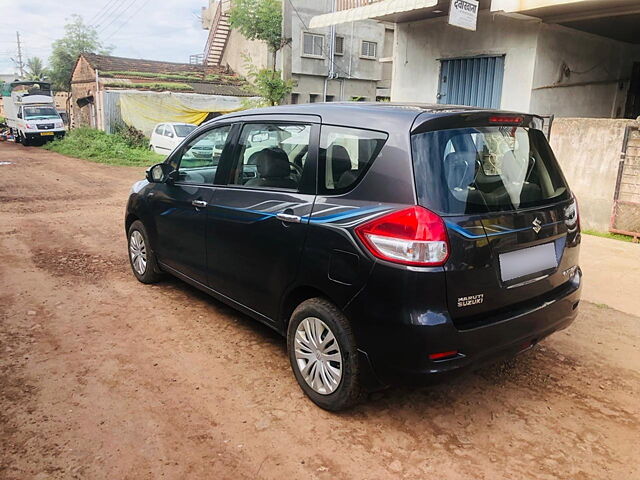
[[527, 261]]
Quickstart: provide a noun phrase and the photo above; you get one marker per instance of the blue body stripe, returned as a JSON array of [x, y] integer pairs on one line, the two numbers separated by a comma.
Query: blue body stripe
[[344, 215], [319, 220], [466, 233]]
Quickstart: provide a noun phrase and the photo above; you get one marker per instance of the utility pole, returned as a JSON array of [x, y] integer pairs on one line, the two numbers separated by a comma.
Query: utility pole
[[20, 63]]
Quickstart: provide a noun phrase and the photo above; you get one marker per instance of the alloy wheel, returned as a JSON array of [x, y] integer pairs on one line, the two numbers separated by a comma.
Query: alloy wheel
[[138, 252]]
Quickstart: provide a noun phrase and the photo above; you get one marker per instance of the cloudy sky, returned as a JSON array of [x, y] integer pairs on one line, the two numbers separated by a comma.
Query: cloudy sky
[[152, 29]]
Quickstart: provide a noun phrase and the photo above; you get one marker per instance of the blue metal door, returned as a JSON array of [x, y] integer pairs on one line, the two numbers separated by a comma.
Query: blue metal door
[[475, 81]]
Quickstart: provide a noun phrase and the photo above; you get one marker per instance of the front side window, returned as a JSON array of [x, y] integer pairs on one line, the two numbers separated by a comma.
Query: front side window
[[199, 160], [486, 169], [313, 44], [345, 155], [37, 113], [168, 131], [271, 156], [369, 49]]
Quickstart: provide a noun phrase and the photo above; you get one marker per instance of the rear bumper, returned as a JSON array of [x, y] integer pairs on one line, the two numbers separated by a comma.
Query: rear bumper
[[398, 352]]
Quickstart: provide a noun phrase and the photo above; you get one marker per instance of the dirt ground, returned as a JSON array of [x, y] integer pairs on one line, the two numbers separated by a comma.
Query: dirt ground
[[102, 377]]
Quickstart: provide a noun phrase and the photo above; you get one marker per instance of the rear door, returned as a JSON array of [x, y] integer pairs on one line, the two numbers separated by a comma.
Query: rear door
[[258, 222], [510, 215]]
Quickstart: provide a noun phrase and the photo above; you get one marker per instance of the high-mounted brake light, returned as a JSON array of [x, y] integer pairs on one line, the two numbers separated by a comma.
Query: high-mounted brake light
[[413, 236], [506, 119]]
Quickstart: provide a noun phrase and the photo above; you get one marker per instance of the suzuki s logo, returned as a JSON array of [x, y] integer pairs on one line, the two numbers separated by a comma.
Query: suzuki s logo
[[537, 225]]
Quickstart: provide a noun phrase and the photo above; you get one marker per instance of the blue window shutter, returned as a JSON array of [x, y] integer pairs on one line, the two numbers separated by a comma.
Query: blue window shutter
[[475, 81]]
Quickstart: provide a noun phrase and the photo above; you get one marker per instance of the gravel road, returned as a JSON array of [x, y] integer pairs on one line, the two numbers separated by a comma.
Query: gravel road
[[102, 377]]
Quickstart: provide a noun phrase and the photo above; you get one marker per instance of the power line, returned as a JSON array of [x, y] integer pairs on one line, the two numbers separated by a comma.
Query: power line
[[99, 12], [110, 8], [128, 19], [117, 16]]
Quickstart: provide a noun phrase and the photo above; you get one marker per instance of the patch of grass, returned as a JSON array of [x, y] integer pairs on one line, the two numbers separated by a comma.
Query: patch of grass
[[155, 86], [184, 76], [98, 146], [180, 77], [613, 236]]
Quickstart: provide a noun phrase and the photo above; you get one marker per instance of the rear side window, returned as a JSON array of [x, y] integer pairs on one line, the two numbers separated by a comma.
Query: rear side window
[[486, 169], [272, 156], [345, 155]]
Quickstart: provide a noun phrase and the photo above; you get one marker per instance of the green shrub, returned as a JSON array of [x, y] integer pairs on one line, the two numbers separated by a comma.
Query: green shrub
[[98, 146], [131, 135]]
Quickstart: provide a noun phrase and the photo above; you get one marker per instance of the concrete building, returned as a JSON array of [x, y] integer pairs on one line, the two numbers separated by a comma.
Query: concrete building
[[570, 58], [347, 62], [106, 91]]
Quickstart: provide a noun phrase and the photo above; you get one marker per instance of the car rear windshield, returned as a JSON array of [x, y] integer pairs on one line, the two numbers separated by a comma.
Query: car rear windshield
[[486, 169], [184, 130]]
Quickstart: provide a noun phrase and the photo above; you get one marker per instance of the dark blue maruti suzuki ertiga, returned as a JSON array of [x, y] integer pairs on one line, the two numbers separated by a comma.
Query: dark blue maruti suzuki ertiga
[[387, 242]]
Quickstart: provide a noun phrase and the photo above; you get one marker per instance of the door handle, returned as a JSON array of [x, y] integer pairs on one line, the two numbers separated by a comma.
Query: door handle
[[199, 203], [286, 217]]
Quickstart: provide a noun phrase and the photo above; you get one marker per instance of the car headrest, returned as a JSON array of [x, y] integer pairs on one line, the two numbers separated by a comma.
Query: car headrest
[[253, 158], [460, 169], [340, 160], [273, 163]]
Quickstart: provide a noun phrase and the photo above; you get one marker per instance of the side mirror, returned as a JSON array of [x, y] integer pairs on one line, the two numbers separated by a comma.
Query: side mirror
[[170, 135], [156, 174], [19, 115]]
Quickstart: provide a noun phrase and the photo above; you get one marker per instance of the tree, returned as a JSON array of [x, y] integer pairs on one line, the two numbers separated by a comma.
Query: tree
[[78, 38], [36, 70], [262, 20], [268, 84], [259, 20]]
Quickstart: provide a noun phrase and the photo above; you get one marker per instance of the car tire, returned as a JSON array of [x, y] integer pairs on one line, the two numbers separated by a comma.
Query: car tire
[[141, 257], [331, 385]]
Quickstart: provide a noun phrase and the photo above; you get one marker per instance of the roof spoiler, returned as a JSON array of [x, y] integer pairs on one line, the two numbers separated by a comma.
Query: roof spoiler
[[426, 122]]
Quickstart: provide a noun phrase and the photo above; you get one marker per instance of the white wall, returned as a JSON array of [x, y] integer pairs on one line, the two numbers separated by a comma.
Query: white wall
[[599, 72], [238, 47], [420, 45]]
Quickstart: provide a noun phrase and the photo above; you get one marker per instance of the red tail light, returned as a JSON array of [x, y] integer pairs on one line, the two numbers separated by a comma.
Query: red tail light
[[506, 119], [414, 236]]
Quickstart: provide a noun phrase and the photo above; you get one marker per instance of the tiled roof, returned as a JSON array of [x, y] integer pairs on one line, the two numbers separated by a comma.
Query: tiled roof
[[108, 63], [211, 80]]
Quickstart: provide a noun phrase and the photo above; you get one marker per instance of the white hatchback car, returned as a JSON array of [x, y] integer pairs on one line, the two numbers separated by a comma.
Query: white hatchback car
[[167, 136]]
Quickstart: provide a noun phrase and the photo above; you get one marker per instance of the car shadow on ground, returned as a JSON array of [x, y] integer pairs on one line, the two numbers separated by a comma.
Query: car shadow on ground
[[537, 371]]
